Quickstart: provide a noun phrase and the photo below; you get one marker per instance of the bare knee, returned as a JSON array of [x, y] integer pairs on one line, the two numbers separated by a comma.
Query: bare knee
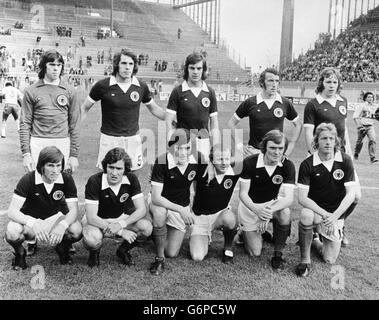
[[306, 217], [92, 236], [76, 229], [14, 231], [229, 220], [159, 215], [145, 228], [197, 255], [253, 251]]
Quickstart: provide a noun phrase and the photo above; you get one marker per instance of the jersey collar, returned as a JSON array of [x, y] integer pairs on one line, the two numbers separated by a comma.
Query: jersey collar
[[185, 86], [261, 99], [172, 164], [317, 160], [229, 172], [39, 180], [105, 184], [261, 164], [41, 83], [113, 81], [320, 99]]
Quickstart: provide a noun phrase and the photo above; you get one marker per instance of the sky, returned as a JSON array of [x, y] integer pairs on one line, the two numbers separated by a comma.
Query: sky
[[253, 27]]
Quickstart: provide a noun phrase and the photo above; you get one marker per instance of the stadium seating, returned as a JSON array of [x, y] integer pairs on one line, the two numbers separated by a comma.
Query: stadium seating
[[146, 28]]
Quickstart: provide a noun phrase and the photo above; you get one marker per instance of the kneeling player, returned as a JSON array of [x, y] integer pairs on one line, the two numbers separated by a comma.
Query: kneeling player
[[326, 191], [171, 179], [211, 205], [44, 207], [263, 175], [114, 207]]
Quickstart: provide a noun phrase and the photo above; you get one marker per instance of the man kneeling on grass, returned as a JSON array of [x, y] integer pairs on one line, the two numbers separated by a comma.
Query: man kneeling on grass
[[326, 191], [266, 192], [214, 189], [44, 207], [115, 207]]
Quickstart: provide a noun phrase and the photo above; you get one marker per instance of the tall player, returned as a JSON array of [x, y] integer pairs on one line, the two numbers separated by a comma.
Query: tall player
[[121, 96], [266, 111], [50, 114], [194, 105], [329, 107]]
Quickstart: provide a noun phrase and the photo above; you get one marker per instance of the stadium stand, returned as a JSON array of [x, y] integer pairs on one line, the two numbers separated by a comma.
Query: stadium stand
[[147, 28], [353, 52]]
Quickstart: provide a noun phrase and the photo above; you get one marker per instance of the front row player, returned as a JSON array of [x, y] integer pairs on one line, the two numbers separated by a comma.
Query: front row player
[[211, 205], [44, 207], [326, 191], [114, 207], [262, 176], [171, 179]]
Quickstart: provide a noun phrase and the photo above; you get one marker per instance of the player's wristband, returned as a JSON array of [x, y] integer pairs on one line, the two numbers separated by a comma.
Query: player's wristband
[[122, 223], [30, 223], [64, 223]]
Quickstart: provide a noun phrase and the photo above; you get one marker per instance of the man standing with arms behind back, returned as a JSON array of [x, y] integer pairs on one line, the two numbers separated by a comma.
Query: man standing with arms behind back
[[121, 96]]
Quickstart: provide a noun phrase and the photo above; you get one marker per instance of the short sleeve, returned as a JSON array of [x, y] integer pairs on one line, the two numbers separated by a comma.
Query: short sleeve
[[92, 190], [135, 185], [97, 91], [246, 168], [213, 105], [242, 110], [25, 186], [349, 170], [173, 101], [158, 174], [309, 113], [289, 176], [291, 113], [70, 187], [304, 174], [146, 94]]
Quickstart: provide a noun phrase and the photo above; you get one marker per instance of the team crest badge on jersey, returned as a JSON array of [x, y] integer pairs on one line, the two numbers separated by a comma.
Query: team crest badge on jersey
[[134, 96], [191, 175], [124, 197], [277, 179], [58, 195], [338, 174], [342, 109], [228, 183], [206, 102], [62, 100], [278, 112]]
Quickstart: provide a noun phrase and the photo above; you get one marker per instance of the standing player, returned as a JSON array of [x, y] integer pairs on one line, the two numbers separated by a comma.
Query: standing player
[[330, 107], [326, 191], [211, 205], [121, 96], [44, 207], [363, 117], [50, 114], [114, 206], [12, 98], [262, 176], [266, 111], [171, 179], [194, 104]]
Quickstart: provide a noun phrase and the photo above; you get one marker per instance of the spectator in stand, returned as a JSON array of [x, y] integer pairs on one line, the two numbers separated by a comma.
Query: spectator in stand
[[38, 40]]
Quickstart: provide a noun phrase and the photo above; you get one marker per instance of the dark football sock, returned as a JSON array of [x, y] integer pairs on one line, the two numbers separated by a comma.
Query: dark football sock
[[228, 238], [280, 235], [305, 238], [159, 238]]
